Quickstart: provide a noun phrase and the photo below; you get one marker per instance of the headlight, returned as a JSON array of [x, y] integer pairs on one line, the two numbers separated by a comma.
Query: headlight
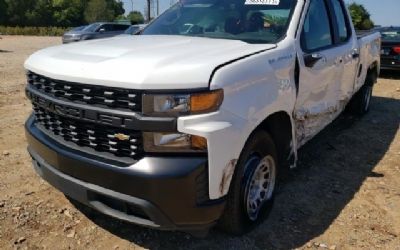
[[173, 142], [175, 105]]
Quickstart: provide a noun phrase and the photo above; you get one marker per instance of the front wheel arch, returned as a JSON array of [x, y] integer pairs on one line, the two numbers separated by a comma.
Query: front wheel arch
[[279, 125], [235, 218]]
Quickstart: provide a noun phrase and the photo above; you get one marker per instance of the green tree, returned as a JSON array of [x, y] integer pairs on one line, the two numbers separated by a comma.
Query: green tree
[[69, 13], [116, 6], [103, 10], [62, 13], [121, 18], [361, 17], [40, 14], [17, 11], [97, 10], [136, 17], [3, 12]]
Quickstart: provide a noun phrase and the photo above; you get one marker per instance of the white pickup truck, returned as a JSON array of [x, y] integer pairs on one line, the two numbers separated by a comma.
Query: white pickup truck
[[190, 123]]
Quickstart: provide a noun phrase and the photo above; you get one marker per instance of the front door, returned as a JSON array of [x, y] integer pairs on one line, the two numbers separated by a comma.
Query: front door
[[320, 70]]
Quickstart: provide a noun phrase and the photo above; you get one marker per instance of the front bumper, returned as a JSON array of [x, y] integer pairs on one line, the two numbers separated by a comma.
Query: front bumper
[[66, 40], [390, 67], [168, 193]]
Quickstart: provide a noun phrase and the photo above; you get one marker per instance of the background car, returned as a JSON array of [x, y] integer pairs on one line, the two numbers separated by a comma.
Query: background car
[[390, 54], [94, 31]]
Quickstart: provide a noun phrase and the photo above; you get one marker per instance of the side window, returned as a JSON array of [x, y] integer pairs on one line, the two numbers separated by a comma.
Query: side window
[[342, 22], [119, 27], [106, 27], [317, 33]]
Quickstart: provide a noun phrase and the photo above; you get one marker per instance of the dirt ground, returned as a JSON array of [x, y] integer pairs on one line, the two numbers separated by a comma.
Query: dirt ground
[[344, 195]]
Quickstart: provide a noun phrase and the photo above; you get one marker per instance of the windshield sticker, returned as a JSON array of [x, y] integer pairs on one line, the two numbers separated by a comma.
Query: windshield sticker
[[262, 2]]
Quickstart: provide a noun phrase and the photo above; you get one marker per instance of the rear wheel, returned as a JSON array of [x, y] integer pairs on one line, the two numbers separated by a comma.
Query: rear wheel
[[252, 188]]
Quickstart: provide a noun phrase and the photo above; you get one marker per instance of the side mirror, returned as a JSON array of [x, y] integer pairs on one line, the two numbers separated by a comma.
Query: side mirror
[[102, 30]]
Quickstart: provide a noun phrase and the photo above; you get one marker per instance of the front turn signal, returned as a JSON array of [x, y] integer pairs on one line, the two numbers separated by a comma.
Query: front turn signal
[[206, 102]]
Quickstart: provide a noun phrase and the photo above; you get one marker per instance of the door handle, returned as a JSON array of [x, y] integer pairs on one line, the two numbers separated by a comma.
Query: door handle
[[355, 55], [311, 59]]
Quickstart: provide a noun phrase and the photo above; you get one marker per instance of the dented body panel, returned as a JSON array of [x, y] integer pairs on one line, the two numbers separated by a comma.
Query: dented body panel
[[326, 88], [254, 88]]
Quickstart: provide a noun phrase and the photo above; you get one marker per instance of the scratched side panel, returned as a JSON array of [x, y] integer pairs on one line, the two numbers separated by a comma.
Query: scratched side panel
[[254, 88], [318, 98], [327, 88], [370, 49]]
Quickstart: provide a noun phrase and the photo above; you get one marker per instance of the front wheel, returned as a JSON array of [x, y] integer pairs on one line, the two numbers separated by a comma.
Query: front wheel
[[252, 188]]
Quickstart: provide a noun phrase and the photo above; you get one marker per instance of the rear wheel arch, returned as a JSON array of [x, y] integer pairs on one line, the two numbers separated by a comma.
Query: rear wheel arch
[[372, 73], [360, 102]]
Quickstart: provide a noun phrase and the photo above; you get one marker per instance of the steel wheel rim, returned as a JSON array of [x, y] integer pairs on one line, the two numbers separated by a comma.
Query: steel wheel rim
[[261, 184]]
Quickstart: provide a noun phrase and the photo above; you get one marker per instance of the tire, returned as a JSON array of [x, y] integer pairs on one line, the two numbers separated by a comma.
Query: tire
[[243, 211], [361, 101]]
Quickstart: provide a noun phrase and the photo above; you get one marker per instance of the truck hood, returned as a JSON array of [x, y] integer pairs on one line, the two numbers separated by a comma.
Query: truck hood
[[141, 62]]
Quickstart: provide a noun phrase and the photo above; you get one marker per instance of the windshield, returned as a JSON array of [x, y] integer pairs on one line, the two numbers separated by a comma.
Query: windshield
[[92, 27], [393, 34], [252, 21], [78, 28]]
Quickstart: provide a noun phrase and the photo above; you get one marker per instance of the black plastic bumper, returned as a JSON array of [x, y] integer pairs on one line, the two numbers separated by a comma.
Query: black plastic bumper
[[390, 67], [164, 193], [390, 63]]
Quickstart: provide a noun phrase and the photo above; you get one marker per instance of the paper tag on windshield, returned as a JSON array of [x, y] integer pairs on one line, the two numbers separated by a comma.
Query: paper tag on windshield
[[262, 2]]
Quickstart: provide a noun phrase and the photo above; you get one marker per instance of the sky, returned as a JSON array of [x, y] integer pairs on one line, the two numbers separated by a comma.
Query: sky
[[140, 5], [383, 12]]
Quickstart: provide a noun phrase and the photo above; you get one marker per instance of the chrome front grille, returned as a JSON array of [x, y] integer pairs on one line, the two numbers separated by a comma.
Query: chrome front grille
[[98, 96], [99, 138]]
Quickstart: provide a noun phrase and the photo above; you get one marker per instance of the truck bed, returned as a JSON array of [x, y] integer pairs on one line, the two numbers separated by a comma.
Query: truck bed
[[363, 33], [369, 43]]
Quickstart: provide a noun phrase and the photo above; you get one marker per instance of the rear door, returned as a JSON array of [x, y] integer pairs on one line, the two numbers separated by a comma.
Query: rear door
[[349, 54], [320, 71]]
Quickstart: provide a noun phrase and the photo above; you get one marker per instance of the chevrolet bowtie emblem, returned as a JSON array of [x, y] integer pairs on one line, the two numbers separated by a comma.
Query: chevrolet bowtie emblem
[[122, 137]]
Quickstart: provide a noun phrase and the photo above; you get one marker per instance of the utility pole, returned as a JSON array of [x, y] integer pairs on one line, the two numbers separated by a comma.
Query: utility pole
[[158, 7], [132, 4], [148, 10]]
